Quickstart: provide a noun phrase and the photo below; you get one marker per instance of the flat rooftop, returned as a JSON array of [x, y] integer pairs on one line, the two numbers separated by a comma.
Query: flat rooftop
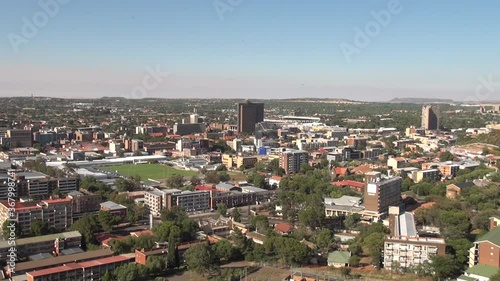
[[44, 238], [56, 261], [110, 205]]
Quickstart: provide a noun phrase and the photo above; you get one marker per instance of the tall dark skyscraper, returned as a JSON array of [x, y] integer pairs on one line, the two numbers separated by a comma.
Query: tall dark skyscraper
[[249, 114], [430, 117]]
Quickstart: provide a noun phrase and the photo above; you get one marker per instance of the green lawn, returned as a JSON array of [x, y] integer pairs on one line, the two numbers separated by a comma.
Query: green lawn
[[237, 176], [148, 171]]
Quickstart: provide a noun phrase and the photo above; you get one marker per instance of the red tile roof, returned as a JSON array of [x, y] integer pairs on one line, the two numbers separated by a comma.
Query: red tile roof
[[425, 206], [53, 270], [349, 183], [363, 169], [57, 201], [283, 227], [104, 236], [204, 187], [20, 206], [104, 261], [341, 170], [81, 265], [141, 233]]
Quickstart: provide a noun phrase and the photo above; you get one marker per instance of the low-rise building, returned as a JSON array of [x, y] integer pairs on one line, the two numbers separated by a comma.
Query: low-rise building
[[422, 175], [114, 208], [396, 162], [23, 267], [486, 249], [453, 190], [155, 201], [87, 270], [190, 201], [339, 259], [42, 244], [84, 203]]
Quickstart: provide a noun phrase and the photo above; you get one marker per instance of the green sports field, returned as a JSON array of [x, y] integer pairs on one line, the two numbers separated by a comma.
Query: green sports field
[[148, 171]]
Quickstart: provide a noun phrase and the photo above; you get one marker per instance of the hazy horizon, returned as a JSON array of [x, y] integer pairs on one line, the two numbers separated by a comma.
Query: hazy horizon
[[250, 49]]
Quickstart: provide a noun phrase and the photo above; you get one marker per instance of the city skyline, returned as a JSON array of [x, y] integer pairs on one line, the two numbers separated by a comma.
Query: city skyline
[[208, 50]]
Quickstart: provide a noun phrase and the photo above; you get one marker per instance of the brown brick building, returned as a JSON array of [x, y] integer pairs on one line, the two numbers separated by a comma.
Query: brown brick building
[[380, 193], [486, 249]]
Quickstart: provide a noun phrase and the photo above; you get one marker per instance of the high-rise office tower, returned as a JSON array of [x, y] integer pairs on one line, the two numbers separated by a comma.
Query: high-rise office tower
[[249, 114], [430, 117]]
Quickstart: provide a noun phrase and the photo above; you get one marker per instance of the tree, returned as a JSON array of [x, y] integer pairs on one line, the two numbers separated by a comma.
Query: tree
[[175, 181], [351, 221], [224, 176], [375, 244], [460, 249], [137, 153], [155, 264], [257, 180], [242, 244], [289, 250], [39, 228], [304, 168], [212, 177], [444, 266], [87, 226], [225, 250], [235, 214], [324, 239], [345, 271], [260, 224], [313, 213], [11, 229], [172, 255], [354, 261], [355, 248], [168, 231], [201, 259], [446, 156], [221, 168], [123, 185], [131, 272], [107, 220], [222, 209], [107, 276], [195, 180]]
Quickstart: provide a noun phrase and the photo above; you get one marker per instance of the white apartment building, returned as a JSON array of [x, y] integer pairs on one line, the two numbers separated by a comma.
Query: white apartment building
[[404, 248], [155, 201]]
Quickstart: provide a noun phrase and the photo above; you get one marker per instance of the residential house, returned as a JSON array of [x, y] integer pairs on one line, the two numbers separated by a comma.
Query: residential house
[[453, 190], [339, 259], [283, 228]]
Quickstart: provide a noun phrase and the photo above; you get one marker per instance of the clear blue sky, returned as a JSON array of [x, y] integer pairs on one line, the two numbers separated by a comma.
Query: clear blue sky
[[261, 48]]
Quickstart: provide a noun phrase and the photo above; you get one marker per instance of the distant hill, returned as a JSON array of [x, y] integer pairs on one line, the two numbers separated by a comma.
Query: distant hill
[[322, 100], [420, 100]]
